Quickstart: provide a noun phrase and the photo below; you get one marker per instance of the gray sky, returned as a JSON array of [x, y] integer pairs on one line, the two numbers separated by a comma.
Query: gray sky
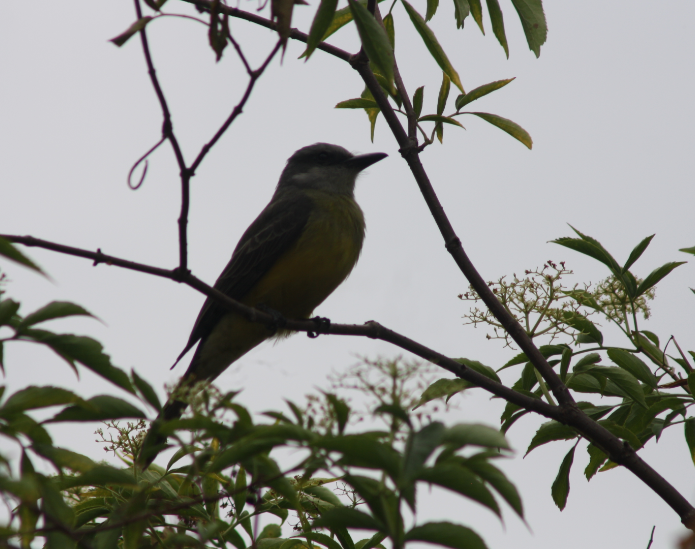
[[608, 105]]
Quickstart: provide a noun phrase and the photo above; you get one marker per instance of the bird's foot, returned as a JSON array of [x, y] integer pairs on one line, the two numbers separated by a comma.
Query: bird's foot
[[322, 325], [278, 321]]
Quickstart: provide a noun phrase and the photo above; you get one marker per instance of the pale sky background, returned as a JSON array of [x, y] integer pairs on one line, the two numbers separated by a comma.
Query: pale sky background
[[609, 106]]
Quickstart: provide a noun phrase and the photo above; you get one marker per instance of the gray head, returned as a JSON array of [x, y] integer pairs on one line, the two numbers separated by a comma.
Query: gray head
[[325, 167]]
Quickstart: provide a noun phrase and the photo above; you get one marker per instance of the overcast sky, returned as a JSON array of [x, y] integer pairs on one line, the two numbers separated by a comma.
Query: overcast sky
[[609, 106]]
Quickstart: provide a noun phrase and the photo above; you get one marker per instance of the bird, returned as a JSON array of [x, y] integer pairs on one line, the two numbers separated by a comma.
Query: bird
[[299, 249]]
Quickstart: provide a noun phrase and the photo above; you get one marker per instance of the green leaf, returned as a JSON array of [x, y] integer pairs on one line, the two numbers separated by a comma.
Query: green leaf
[[420, 446], [55, 309], [461, 8], [626, 381], [323, 539], [475, 434], [374, 40], [320, 25], [656, 275], [146, 390], [131, 31], [596, 458], [633, 364], [344, 517], [372, 114], [561, 486], [341, 18], [86, 351], [587, 360], [621, 432], [637, 252], [497, 20], [390, 30], [480, 368], [10, 251], [512, 128], [32, 397], [443, 94], [446, 534], [417, 101], [270, 531], [432, 6], [583, 325], [493, 476], [63, 458], [440, 119], [462, 481], [481, 91], [340, 409], [533, 22], [242, 451], [689, 426], [374, 541], [98, 408], [358, 103], [590, 246], [99, 475], [521, 358], [550, 431], [442, 388], [395, 411], [688, 250], [652, 336], [363, 451], [477, 13], [583, 298], [8, 310], [433, 46]]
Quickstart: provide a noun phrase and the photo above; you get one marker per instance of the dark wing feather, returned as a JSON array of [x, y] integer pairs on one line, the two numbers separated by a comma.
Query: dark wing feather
[[273, 232]]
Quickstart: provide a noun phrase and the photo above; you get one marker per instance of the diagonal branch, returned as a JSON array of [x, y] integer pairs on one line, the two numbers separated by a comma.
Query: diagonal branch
[[616, 450]]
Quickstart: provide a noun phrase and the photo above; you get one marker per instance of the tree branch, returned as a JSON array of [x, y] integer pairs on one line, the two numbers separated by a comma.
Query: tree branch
[[616, 450]]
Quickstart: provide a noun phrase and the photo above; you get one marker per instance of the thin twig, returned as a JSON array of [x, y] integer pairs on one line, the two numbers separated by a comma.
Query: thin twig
[[651, 538]]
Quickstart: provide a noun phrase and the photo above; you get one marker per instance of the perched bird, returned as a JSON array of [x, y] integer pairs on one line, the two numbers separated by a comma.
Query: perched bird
[[298, 250]]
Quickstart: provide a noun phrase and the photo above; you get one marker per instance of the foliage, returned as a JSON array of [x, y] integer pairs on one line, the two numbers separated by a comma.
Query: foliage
[[652, 390], [229, 470]]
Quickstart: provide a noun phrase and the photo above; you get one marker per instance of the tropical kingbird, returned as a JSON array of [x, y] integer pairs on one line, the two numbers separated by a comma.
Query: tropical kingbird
[[298, 250]]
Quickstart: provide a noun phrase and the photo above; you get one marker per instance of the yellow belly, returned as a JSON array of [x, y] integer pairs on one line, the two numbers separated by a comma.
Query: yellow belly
[[301, 279]]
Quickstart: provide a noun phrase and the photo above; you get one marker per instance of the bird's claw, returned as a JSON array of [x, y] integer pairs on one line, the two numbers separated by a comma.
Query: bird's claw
[[322, 325]]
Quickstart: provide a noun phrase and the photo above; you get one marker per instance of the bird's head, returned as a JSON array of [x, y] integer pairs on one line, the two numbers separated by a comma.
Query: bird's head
[[325, 167]]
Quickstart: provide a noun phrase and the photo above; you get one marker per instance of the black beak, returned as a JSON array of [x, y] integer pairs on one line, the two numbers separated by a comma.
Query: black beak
[[363, 161]]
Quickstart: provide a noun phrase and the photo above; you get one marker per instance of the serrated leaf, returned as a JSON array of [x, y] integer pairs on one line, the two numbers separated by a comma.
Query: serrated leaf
[[586, 361], [357, 103], [99, 408], [477, 13], [442, 388], [637, 252], [656, 275], [417, 101], [583, 325], [343, 517], [55, 309], [86, 351], [481, 91], [32, 398], [475, 434], [634, 365], [561, 485], [533, 22], [497, 21], [320, 25], [440, 119], [596, 458], [131, 31], [626, 381], [432, 6], [446, 534], [506, 125], [622, 432], [374, 39], [10, 251], [146, 390], [496, 478], [433, 46], [461, 10], [462, 481], [480, 368], [550, 431]]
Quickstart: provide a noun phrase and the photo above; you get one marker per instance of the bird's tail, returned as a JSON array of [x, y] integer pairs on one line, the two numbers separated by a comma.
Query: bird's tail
[[154, 442]]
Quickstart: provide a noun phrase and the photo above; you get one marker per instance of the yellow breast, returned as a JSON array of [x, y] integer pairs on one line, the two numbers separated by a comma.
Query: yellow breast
[[323, 256]]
